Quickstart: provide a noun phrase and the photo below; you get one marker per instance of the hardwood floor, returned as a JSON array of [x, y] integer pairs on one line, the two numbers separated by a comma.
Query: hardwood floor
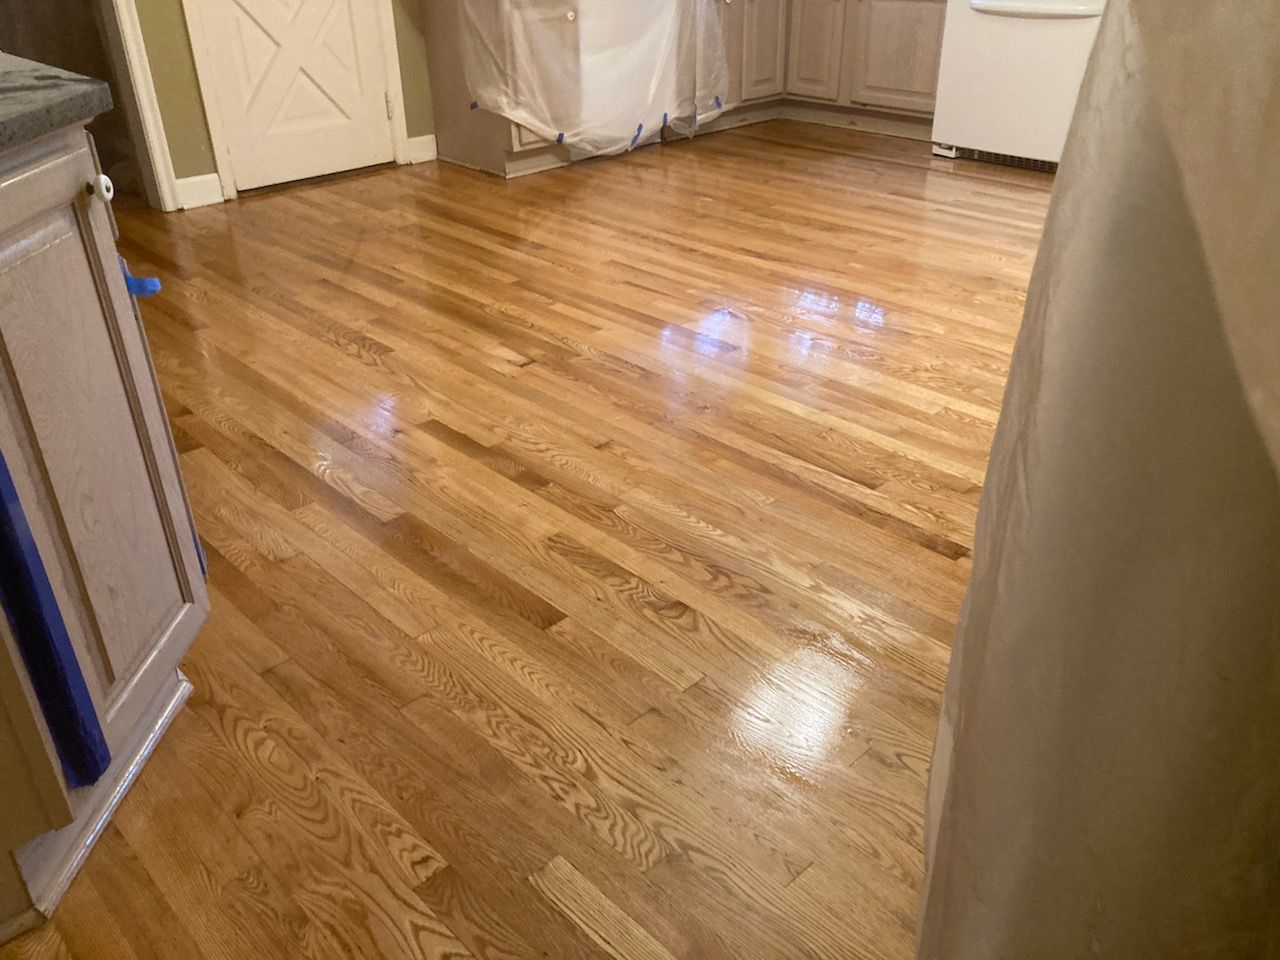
[[585, 553]]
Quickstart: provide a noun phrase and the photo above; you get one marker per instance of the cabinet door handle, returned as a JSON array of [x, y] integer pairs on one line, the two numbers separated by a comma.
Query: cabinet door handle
[[1040, 9], [101, 187]]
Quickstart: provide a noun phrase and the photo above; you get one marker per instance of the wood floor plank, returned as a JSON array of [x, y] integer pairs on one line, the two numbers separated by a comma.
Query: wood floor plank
[[575, 897], [585, 552]]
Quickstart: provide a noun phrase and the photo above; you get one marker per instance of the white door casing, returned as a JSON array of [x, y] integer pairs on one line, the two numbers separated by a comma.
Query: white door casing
[[299, 86]]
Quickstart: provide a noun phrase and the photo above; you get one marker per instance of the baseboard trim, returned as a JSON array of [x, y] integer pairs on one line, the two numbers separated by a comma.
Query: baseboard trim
[[50, 862], [199, 191], [420, 149], [892, 124]]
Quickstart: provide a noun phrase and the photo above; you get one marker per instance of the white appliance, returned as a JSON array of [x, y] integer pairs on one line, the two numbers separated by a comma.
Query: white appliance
[[1010, 76]]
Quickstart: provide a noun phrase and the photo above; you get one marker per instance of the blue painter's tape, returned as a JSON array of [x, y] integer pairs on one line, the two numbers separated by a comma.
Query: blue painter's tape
[[719, 104], [204, 561], [139, 286], [666, 120], [560, 137], [142, 286], [41, 635], [636, 138]]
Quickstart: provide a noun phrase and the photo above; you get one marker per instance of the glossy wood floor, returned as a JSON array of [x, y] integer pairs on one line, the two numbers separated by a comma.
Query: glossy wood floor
[[585, 553]]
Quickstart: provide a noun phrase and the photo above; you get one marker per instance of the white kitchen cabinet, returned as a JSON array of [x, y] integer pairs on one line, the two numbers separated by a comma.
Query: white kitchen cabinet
[[764, 48], [892, 50], [731, 28], [817, 41], [84, 433], [101, 513]]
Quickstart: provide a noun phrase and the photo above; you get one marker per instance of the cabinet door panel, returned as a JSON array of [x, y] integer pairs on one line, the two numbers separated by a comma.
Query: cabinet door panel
[[896, 46], [731, 28], [83, 419], [817, 38], [764, 51]]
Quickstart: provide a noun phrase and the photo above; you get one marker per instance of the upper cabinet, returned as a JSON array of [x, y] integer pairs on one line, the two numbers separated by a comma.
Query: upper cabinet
[[892, 49], [817, 37], [764, 50], [731, 27]]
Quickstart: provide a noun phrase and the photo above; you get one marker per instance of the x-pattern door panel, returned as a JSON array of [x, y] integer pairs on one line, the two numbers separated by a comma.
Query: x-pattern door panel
[[300, 86]]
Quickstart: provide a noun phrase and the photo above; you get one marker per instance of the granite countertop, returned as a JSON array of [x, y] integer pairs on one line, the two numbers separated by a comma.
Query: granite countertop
[[36, 99]]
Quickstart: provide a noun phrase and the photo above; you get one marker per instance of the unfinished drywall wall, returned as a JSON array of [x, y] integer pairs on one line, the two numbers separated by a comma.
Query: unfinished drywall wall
[[1106, 778]]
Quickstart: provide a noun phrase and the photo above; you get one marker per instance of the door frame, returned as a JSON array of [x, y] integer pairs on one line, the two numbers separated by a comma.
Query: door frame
[[172, 194], [128, 53]]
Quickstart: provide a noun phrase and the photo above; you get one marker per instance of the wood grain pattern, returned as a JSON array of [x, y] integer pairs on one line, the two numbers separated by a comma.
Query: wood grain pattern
[[574, 896], [585, 552]]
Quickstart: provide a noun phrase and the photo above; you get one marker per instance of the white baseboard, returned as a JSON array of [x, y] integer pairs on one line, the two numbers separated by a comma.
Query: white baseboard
[[420, 149], [50, 862], [199, 191]]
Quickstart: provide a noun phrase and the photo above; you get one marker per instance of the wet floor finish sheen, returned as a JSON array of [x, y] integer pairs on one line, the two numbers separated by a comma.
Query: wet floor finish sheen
[[585, 551]]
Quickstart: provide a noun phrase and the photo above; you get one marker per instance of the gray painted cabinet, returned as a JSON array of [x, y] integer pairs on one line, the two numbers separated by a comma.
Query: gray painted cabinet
[[86, 442], [872, 53], [892, 49], [764, 48], [817, 41], [731, 28]]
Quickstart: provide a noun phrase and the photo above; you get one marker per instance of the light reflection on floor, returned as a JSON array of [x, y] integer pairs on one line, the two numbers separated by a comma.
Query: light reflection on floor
[[797, 713]]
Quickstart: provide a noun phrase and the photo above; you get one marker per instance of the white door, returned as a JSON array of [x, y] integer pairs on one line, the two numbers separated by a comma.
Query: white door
[[299, 85]]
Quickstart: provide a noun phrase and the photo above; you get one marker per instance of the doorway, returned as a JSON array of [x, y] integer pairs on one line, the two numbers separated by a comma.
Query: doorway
[[294, 88]]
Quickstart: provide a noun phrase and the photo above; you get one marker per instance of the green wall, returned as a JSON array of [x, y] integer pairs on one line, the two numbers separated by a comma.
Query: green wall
[[164, 32]]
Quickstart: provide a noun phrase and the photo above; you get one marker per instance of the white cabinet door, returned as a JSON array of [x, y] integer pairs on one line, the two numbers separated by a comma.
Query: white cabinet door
[[764, 50], [817, 38], [892, 52], [731, 29], [298, 85], [84, 434]]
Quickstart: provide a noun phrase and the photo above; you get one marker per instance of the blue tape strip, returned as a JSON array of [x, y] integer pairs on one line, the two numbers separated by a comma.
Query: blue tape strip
[[142, 286], [139, 286], [195, 538], [560, 137], [41, 635], [718, 103], [666, 120], [636, 138]]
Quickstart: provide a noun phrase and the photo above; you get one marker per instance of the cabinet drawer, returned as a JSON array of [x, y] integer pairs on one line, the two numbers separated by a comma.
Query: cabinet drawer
[[84, 433]]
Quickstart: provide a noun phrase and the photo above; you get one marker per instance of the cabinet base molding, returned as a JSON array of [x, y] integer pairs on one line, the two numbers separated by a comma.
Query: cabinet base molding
[[50, 862], [849, 118]]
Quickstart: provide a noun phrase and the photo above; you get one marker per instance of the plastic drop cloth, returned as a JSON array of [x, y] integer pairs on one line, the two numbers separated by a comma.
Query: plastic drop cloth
[[597, 75], [1106, 778]]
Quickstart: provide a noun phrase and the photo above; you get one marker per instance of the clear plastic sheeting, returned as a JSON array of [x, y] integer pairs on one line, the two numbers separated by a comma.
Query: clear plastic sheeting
[[597, 75]]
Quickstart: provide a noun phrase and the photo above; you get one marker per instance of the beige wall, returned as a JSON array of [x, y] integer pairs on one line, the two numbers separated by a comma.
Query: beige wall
[[411, 38], [164, 30]]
